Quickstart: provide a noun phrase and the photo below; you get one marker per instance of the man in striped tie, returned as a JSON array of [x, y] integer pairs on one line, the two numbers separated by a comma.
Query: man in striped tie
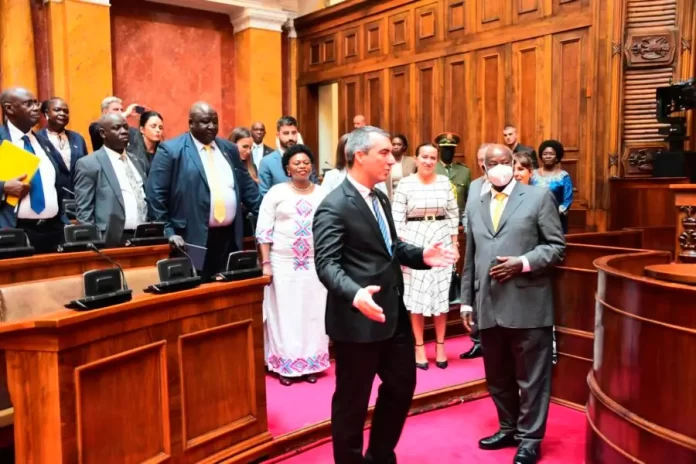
[[196, 186], [358, 258], [39, 211]]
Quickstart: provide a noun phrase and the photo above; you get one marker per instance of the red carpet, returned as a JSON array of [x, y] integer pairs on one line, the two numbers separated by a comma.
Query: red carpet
[[450, 435], [301, 404]]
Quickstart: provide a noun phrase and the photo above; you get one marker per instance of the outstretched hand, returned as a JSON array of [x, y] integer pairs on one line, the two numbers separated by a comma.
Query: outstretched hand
[[435, 255], [365, 304]]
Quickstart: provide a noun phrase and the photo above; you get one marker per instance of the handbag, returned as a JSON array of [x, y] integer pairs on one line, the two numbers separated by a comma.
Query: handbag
[[455, 288]]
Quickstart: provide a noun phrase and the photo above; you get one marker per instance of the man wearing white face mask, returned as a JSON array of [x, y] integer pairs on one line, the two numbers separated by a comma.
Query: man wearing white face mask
[[514, 237]]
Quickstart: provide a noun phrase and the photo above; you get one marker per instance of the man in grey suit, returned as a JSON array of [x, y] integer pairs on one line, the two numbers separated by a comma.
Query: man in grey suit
[[514, 237], [109, 184], [476, 189]]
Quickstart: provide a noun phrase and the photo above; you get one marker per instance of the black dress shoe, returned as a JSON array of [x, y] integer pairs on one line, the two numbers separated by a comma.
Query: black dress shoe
[[442, 364], [527, 456], [423, 366], [476, 351], [285, 381], [311, 378], [498, 441]]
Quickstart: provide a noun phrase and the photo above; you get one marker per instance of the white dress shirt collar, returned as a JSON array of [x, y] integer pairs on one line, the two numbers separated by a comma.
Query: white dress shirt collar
[[507, 190], [114, 155], [199, 145], [15, 133], [486, 187], [364, 191]]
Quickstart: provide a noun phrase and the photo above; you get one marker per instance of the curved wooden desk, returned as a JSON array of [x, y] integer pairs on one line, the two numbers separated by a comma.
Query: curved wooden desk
[[642, 402], [162, 378]]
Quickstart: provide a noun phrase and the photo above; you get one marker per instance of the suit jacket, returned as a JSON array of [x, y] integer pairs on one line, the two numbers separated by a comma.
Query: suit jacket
[[474, 194], [408, 167], [98, 192], [178, 193], [8, 215], [530, 227], [267, 150], [530, 151], [349, 254], [78, 149], [271, 172]]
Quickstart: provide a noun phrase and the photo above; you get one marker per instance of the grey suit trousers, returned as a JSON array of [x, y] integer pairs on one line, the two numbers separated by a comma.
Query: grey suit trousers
[[518, 373]]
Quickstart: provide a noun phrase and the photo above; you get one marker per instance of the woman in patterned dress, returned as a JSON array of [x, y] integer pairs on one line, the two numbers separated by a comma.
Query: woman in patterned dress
[[294, 303], [425, 211], [551, 176]]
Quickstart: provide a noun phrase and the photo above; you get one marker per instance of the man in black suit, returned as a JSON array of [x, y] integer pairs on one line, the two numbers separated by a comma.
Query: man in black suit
[[258, 148], [358, 258], [512, 142]]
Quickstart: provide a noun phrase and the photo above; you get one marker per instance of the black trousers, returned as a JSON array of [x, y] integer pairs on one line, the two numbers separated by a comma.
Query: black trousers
[[518, 373], [394, 361], [220, 244], [475, 334], [45, 234]]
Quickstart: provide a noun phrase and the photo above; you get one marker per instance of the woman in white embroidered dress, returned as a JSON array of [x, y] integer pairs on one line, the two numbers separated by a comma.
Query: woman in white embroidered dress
[[294, 303]]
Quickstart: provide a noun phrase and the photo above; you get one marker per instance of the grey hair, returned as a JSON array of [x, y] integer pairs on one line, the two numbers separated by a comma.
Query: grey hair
[[359, 141], [109, 100]]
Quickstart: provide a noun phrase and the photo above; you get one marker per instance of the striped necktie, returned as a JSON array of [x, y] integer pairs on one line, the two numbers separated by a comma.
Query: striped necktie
[[381, 222]]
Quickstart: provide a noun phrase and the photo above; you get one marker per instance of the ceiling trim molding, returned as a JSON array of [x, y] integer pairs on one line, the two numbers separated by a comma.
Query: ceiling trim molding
[[260, 18]]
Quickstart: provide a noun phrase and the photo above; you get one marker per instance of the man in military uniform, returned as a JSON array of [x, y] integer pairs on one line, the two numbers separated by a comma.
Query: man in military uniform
[[458, 174]]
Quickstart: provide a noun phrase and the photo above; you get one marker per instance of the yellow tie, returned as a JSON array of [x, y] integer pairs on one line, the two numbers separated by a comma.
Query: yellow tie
[[219, 211], [498, 209]]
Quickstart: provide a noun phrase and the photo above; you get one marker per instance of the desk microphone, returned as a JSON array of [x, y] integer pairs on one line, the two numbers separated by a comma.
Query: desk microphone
[[14, 243], [176, 274], [103, 287], [70, 205]]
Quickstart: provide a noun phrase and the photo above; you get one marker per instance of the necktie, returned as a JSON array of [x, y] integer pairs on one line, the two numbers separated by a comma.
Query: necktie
[[381, 222], [219, 211], [137, 190], [498, 209], [36, 192]]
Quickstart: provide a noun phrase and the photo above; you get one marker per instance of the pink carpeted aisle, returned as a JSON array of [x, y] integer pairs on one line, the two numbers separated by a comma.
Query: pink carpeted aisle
[[301, 404], [451, 435]]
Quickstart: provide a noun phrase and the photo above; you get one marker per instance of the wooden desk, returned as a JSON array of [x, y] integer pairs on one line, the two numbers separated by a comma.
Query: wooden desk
[[163, 378], [641, 404], [63, 264]]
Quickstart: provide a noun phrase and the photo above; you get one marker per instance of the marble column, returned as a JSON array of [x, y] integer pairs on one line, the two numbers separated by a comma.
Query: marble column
[[17, 58], [259, 78]]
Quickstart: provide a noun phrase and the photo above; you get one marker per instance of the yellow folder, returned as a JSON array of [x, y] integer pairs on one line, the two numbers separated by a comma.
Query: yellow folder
[[15, 162]]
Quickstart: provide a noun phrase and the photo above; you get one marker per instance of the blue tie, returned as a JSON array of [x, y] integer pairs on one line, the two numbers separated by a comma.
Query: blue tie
[[380, 222], [36, 193]]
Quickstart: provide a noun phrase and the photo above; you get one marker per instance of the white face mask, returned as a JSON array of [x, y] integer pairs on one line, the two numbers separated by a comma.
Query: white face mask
[[500, 175]]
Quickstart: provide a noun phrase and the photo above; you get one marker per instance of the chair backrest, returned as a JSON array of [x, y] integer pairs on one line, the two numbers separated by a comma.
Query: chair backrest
[[38, 297]]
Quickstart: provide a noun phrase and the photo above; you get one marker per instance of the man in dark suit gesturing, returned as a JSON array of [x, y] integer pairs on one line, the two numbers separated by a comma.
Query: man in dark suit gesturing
[[196, 186], [358, 257], [513, 239]]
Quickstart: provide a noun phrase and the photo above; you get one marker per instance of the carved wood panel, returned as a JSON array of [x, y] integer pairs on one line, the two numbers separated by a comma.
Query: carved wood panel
[[529, 108], [400, 100], [566, 6], [569, 106], [375, 41], [350, 49], [456, 18], [351, 98], [526, 10], [427, 25], [400, 32], [429, 107], [491, 72], [492, 14], [374, 92], [458, 101]]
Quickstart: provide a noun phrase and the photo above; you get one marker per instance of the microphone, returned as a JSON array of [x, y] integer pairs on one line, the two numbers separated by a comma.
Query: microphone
[[103, 287], [79, 237], [176, 274], [14, 243]]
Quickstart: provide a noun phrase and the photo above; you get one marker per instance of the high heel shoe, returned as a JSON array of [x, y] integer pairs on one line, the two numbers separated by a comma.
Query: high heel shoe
[[441, 364], [423, 366]]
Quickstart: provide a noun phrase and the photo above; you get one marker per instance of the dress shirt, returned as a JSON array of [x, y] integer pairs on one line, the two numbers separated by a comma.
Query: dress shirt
[[492, 192], [130, 203], [225, 181], [48, 177], [365, 193], [65, 151], [257, 154], [335, 177]]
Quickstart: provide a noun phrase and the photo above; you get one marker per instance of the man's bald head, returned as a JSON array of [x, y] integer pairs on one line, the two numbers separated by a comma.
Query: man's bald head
[[20, 107], [497, 154], [203, 122], [113, 129], [359, 121], [258, 132]]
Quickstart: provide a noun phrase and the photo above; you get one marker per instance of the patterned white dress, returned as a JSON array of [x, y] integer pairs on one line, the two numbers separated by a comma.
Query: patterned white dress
[[426, 292], [295, 303]]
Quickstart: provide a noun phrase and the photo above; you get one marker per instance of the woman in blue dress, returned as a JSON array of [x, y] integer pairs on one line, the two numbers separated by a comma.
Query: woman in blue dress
[[551, 176]]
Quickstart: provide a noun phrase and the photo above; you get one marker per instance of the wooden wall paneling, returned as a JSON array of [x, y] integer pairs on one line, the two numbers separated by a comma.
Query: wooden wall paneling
[[457, 18], [399, 101], [308, 116], [493, 14], [687, 62], [351, 101], [376, 103], [527, 10], [566, 6], [375, 34], [328, 48], [529, 107], [351, 45], [428, 101], [401, 31], [428, 25], [458, 101], [491, 78], [569, 108]]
